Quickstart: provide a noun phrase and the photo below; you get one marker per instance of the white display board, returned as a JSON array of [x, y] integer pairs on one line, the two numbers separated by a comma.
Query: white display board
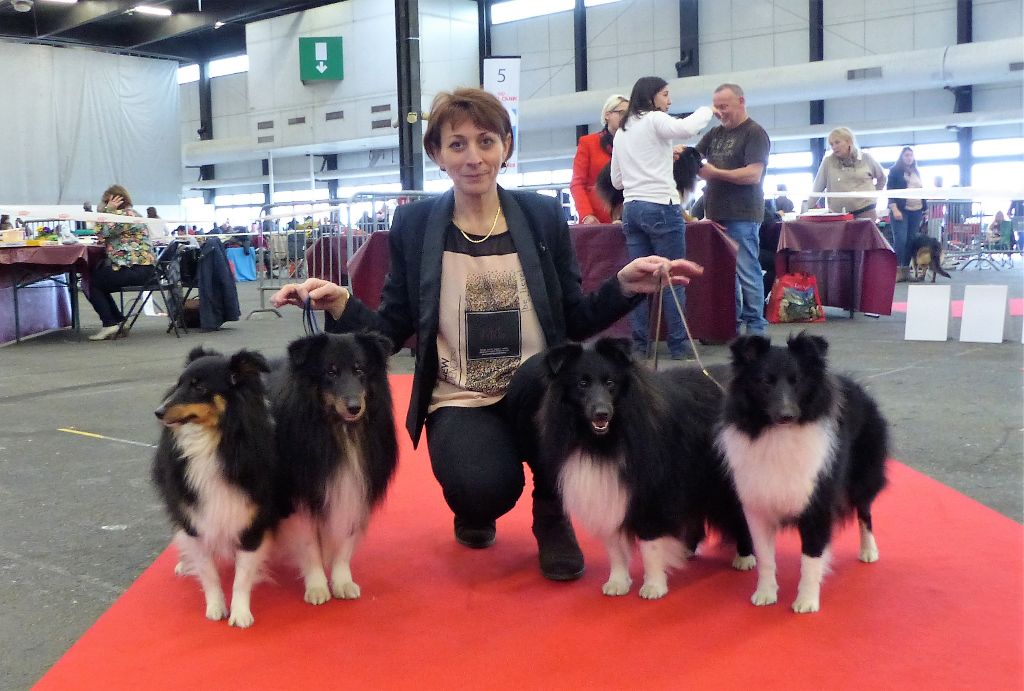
[[927, 313], [984, 314]]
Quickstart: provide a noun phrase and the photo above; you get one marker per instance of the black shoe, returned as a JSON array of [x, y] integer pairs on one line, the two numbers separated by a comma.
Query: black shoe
[[479, 536], [560, 555]]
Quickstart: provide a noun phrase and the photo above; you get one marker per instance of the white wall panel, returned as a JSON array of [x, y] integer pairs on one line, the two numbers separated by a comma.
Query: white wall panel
[[997, 19], [448, 46]]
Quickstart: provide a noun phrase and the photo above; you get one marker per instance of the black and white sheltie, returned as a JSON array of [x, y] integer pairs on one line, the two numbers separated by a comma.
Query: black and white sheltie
[[805, 447], [635, 459], [216, 470], [337, 443]]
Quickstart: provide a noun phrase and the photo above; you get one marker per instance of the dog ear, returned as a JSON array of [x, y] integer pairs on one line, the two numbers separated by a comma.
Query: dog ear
[[804, 345], [246, 365], [558, 357], [684, 170], [301, 350], [198, 352], [746, 349], [618, 350], [377, 345]]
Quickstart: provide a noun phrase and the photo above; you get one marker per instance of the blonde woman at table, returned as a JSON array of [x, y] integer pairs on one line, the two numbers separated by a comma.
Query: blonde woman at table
[[130, 260], [593, 152], [485, 278], [848, 169], [652, 218]]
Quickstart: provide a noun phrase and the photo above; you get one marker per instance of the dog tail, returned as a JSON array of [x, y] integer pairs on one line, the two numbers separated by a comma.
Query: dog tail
[[937, 267]]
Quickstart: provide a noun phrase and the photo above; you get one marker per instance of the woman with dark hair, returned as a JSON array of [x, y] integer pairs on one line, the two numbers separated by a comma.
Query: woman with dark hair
[[652, 218], [593, 152], [130, 261], [904, 214], [485, 278]]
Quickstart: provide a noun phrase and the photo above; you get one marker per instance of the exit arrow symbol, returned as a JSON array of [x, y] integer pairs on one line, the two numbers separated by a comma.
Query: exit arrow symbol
[[321, 67]]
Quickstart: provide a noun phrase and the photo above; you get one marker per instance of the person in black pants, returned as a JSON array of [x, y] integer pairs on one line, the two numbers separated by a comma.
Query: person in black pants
[[130, 261], [485, 278]]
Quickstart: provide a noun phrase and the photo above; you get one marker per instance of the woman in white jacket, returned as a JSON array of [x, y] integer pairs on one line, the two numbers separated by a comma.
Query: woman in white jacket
[[652, 217]]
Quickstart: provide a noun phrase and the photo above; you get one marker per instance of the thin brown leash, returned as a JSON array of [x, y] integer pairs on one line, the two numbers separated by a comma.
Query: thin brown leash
[[686, 326]]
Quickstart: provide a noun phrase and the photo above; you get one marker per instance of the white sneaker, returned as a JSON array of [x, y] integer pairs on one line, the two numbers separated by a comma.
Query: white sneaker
[[105, 333]]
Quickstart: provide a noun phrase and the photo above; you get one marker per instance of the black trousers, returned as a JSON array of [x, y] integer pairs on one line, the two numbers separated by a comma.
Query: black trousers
[[477, 454], [104, 281]]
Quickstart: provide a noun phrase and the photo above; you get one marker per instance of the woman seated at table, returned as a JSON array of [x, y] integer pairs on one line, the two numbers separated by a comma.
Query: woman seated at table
[[848, 169], [130, 260]]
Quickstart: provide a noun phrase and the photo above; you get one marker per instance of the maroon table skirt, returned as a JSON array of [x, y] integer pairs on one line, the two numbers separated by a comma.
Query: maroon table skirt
[[327, 257], [853, 263], [601, 252], [46, 305]]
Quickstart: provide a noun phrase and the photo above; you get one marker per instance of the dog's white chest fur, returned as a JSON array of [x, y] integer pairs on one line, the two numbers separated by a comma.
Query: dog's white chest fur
[[593, 494], [347, 492], [224, 510], [776, 473]]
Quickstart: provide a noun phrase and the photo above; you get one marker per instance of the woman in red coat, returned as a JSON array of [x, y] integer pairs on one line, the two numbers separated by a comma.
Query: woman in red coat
[[594, 152]]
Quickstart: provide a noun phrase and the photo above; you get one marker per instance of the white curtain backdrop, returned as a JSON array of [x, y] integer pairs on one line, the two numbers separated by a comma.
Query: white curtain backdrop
[[78, 121]]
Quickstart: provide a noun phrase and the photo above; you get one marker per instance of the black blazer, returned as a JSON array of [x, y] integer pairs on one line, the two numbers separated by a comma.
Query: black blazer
[[411, 297]]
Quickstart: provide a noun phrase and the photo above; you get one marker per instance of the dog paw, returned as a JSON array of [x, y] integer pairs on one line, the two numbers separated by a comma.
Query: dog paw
[[653, 591], [869, 554], [242, 618], [616, 587], [744, 563], [804, 604], [317, 595], [345, 591], [215, 611], [765, 597]]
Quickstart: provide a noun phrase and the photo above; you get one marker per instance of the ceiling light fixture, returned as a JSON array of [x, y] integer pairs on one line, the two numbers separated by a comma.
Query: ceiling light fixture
[[21, 5], [63, 2], [157, 11], [217, 25]]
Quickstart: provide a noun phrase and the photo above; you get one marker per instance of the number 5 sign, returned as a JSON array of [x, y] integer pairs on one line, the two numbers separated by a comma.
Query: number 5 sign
[[501, 78]]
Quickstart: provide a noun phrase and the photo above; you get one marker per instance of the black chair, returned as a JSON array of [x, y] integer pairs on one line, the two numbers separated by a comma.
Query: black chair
[[166, 282]]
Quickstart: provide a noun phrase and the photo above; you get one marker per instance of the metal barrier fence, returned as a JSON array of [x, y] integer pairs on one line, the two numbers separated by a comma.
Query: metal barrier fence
[[293, 251]]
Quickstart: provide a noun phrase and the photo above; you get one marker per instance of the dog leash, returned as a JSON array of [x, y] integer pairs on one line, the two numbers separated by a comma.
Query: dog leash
[[309, 322], [686, 327]]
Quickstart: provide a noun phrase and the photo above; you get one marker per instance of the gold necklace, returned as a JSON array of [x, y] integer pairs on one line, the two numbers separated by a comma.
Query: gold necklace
[[494, 224]]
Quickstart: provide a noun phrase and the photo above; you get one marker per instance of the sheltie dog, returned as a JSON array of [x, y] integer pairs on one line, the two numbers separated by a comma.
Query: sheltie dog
[[337, 444], [216, 470], [805, 447], [684, 175], [925, 255], [634, 454]]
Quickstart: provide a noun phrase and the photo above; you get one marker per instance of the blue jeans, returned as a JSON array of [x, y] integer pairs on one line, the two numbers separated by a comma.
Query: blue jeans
[[749, 281], [656, 229], [903, 233]]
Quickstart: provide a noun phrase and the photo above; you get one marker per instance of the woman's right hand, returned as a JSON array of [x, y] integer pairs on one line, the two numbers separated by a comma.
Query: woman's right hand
[[589, 220], [323, 295], [896, 215]]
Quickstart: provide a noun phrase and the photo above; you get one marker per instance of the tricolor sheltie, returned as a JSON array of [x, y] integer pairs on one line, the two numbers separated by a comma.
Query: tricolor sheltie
[[685, 167], [216, 470], [805, 447], [336, 439], [635, 459]]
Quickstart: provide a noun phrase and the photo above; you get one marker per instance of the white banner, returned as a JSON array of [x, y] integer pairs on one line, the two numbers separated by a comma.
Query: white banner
[[501, 78]]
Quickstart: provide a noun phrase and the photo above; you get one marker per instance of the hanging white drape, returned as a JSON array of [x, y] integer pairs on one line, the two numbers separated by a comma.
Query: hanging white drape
[[78, 121]]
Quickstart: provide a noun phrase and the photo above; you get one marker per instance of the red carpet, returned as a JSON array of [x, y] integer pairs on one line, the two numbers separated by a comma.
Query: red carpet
[[943, 608]]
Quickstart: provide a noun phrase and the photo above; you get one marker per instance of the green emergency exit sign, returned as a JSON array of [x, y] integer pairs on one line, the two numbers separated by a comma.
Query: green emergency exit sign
[[320, 59]]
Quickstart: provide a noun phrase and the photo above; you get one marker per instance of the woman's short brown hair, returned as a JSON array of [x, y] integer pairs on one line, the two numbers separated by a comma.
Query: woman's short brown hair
[[480, 106], [117, 191]]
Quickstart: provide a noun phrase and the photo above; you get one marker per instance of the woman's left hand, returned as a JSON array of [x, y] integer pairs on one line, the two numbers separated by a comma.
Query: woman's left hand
[[645, 274]]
